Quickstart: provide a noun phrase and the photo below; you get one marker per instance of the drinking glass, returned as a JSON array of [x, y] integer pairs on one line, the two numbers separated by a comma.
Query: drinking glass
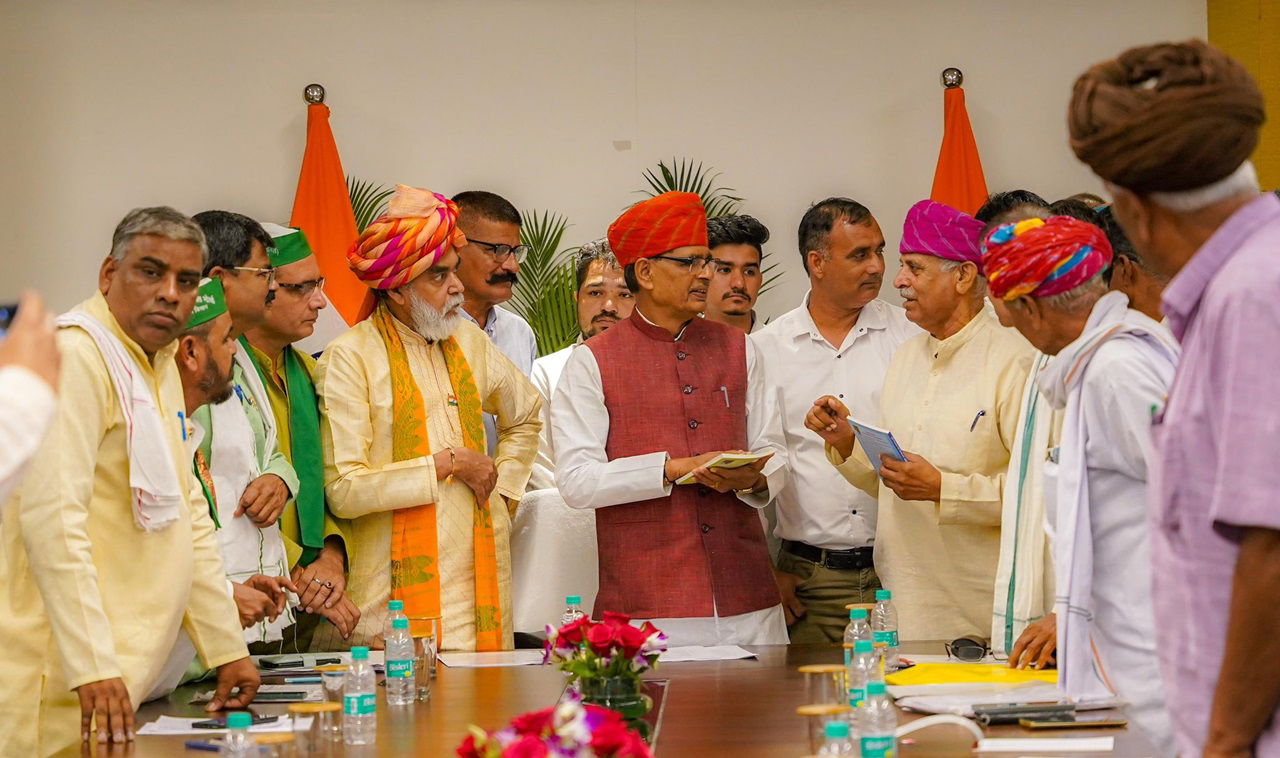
[[333, 677], [425, 631], [824, 684], [816, 717]]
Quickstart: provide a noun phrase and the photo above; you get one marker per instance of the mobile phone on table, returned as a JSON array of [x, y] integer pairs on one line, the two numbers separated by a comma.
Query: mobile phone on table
[[280, 662], [7, 313], [1080, 722], [221, 722]]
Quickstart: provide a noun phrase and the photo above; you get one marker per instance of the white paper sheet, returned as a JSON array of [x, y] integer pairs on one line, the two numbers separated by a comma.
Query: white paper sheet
[[959, 698], [456, 660], [1042, 745], [173, 725], [705, 653]]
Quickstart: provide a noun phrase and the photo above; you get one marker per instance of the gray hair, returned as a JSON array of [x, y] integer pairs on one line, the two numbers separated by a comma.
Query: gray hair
[[1243, 179], [979, 282], [1078, 299], [160, 221], [596, 250]]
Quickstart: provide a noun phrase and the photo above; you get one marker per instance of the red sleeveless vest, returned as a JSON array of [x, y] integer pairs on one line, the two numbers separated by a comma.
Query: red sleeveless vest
[[697, 552]]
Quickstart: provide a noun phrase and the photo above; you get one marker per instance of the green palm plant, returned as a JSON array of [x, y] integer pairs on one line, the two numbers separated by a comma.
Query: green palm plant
[[684, 176], [546, 293], [368, 200]]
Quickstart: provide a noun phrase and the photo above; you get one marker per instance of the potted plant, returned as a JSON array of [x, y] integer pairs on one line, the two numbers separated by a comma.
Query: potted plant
[[569, 728], [605, 660]]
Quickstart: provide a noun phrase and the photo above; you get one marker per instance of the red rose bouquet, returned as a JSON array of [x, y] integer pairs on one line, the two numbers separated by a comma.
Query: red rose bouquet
[[610, 648], [570, 729]]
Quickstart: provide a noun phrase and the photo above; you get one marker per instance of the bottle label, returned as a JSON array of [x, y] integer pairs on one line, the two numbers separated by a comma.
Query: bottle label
[[856, 695], [888, 637], [359, 705], [351, 705], [877, 747], [368, 704], [847, 654], [400, 669]]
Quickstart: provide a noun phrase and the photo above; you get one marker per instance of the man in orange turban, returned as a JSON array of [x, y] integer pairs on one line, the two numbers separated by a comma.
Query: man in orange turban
[[405, 458], [637, 416]]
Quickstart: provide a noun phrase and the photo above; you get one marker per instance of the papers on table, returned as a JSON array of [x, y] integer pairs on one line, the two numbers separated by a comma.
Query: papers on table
[[491, 660], [725, 460], [705, 653], [1042, 745], [173, 725], [876, 442], [959, 699], [457, 660]]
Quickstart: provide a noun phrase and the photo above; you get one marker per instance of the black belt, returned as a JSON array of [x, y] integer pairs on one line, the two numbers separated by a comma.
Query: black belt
[[839, 560]]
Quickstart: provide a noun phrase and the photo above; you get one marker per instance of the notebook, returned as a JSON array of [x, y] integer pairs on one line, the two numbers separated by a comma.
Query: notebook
[[725, 460], [876, 442]]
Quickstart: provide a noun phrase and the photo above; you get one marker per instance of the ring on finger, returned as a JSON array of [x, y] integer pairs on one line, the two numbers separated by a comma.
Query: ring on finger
[[317, 581]]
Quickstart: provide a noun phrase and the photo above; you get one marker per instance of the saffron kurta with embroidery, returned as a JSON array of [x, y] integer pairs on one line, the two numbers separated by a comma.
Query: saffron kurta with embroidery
[[956, 402], [364, 485], [87, 595]]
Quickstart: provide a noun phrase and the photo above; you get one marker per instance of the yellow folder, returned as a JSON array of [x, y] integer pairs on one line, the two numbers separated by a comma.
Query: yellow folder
[[957, 673]]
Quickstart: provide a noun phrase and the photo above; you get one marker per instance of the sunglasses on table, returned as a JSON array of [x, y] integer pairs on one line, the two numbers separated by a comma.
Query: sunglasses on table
[[970, 650]]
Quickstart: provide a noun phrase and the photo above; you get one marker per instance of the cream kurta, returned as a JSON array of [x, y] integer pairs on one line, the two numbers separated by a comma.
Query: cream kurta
[[956, 403], [87, 595], [362, 483]]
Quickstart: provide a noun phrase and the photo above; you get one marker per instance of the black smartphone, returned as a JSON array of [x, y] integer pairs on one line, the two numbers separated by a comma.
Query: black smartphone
[[7, 312], [280, 662], [221, 722]]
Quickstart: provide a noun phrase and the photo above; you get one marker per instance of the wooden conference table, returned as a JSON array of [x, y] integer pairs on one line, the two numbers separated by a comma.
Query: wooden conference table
[[724, 708]]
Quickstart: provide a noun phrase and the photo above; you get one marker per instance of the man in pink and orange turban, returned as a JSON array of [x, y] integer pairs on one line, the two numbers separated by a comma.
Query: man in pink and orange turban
[[1109, 366], [951, 399], [404, 392]]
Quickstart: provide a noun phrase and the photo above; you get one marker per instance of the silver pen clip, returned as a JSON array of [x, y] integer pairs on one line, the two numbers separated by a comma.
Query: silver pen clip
[[725, 390]]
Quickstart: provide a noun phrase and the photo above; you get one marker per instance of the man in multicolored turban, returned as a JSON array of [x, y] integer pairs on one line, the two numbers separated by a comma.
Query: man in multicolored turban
[[1170, 127], [651, 401], [280, 376], [951, 399], [1110, 366], [403, 393]]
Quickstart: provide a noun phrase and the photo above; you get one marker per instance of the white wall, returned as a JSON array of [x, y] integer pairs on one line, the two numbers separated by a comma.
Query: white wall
[[105, 106]]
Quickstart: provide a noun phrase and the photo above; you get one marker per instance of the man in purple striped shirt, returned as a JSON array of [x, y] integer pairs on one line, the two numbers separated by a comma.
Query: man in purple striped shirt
[[1170, 128]]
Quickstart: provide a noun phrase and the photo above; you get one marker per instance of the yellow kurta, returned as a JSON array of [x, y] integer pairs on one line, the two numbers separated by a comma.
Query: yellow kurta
[[278, 395], [955, 402], [365, 486], [86, 594]]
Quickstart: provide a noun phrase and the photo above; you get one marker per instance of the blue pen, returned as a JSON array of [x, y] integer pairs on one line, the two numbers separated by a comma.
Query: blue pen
[[182, 424], [974, 425], [302, 680]]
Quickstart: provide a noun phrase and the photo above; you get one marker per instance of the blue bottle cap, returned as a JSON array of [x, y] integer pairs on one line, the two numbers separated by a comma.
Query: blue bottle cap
[[858, 613], [360, 653], [875, 688], [395, 605], [400, 624], [883, 595], [573, 600], [863, 646]]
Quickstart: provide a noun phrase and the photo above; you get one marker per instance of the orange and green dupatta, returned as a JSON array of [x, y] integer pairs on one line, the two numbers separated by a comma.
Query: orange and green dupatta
[[415, 573]]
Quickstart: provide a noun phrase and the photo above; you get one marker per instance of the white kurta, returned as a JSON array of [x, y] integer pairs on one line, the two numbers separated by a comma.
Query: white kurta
[[28, 405], [588, 479], [553, 546], [1106, 440]]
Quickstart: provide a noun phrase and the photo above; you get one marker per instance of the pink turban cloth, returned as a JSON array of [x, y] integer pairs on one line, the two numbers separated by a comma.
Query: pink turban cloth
[[935, 229], [419, 227]]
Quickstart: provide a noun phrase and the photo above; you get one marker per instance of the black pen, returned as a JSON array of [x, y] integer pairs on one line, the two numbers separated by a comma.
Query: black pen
[[974, 425]]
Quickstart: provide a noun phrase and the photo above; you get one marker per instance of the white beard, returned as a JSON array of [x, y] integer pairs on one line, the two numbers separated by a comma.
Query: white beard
[[432, 324]]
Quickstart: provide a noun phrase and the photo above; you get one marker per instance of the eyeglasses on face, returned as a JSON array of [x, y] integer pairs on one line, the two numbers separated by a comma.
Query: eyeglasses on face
[[500, 251], [268, 272], [302, 289], [695, 264]]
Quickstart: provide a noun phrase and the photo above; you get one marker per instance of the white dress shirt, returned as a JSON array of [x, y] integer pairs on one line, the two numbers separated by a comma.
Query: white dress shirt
[[514, 338], [588, 479], [27, 408], [817, 506]]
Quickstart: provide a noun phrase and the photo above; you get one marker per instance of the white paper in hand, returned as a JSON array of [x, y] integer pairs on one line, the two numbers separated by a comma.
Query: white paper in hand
[[876, 442]]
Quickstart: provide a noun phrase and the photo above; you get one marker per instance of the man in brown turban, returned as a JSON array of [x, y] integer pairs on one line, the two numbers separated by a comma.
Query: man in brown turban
[[1170, 128]]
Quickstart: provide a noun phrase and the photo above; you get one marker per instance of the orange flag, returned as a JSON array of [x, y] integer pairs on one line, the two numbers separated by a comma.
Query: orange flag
[[322, 210], [958, 180]]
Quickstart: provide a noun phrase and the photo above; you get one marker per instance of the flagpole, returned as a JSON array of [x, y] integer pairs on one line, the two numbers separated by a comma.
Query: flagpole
[[313, 93]]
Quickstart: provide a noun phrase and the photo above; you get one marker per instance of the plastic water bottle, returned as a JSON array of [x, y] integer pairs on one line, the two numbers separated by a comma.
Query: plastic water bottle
[[857, 629], [837, 740], [572, 611], [863, 668], [402, 684], [395, 610], [359, 700], [884, 626], [878, 723], [238, 743]]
